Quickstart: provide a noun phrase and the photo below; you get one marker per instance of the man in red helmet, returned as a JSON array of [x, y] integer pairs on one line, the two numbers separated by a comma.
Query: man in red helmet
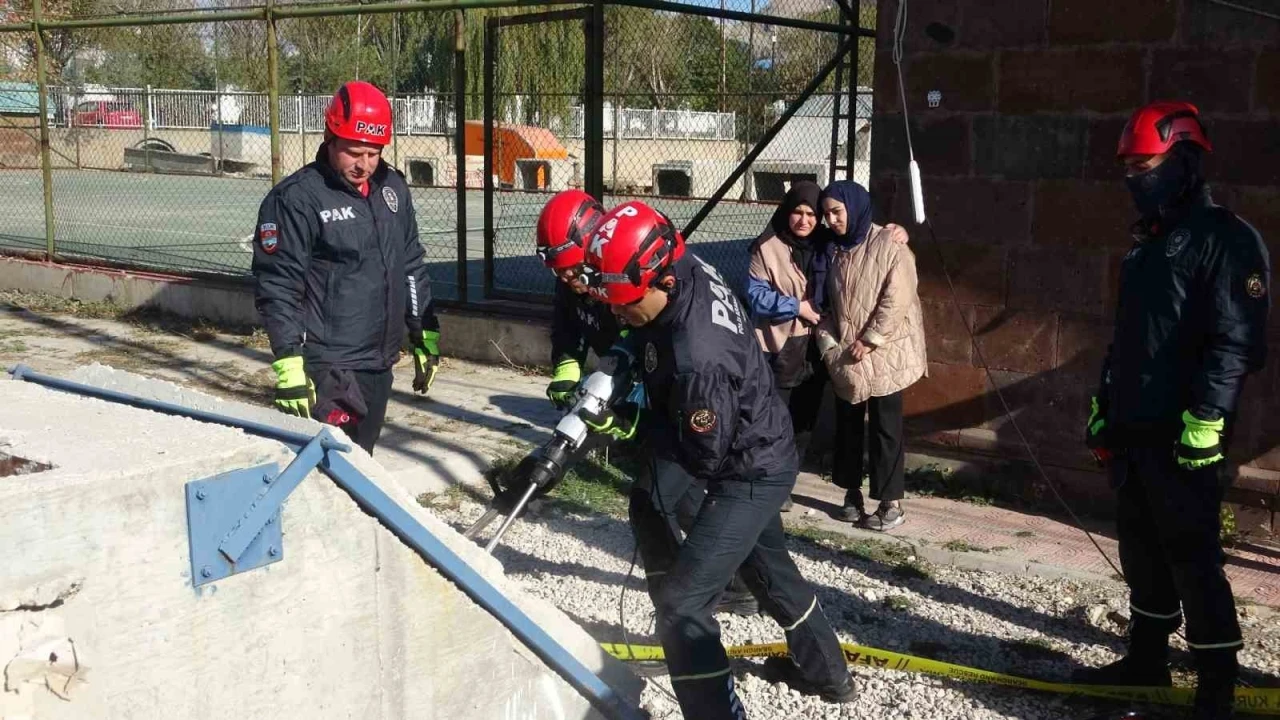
[[1190, 325], [340, 274], [711, 409], [581, 323]]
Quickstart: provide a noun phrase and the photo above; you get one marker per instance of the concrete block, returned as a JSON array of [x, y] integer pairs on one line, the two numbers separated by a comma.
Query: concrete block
[[493, 339], [465, 334], [1216, 82], [944, 140], [1005, 23], [944, 330], [949, 398], [35, 276], [1265, 87], [350, 623], [977, 270], [1074, 22], [1100, 160], [1029, 147], [1252, 146], [1020, 340], [949, 203], [1061, 203], [1056, 280], [965, 79]]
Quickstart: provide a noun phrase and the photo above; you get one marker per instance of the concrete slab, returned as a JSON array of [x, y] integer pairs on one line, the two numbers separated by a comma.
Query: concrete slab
[[350, 623]]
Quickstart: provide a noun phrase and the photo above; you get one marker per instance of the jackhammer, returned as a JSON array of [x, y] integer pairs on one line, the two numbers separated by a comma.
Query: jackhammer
[[542, 469]]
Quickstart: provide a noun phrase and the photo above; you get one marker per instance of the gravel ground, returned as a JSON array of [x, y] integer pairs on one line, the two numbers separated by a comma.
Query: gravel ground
[[1027, 626]]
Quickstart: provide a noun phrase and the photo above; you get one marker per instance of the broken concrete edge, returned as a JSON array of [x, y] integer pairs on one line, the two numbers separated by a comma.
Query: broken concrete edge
[[496, 335], [564, 629]]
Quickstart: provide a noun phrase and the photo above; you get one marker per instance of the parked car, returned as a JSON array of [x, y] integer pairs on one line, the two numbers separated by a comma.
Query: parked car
[[100, 113]]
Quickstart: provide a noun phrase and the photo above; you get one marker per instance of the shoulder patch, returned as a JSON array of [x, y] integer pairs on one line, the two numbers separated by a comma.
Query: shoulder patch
[[1255, 287], [702, 421], [1176, 242], [389, 196], [268, 237]]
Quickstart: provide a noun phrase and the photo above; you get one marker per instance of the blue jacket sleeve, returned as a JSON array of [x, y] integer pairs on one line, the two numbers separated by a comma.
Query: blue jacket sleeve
[[766, 303]]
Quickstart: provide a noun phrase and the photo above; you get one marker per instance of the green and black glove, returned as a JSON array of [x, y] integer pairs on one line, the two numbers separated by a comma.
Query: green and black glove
[[426, 361], [564, 382], [1201, 444], [1095, 432], [618, 423], [295, 393]]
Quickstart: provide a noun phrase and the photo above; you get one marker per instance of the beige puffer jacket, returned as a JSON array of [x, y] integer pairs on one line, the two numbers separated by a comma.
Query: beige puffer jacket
[[871, 292]]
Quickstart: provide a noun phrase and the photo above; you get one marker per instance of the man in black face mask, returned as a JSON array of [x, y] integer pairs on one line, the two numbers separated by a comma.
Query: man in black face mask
[[1190, 325]]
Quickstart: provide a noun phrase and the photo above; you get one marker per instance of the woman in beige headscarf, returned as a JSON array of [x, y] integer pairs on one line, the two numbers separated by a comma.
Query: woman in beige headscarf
[[873, 345]]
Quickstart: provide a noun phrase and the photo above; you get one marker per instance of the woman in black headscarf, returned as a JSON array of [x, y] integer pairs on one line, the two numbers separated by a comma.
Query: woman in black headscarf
[[786, 284]]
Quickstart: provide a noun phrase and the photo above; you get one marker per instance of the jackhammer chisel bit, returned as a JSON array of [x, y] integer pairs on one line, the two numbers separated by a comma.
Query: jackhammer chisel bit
[[543, 468]]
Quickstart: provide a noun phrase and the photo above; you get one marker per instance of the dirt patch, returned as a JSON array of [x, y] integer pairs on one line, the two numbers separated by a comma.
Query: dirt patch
[[14, 465]]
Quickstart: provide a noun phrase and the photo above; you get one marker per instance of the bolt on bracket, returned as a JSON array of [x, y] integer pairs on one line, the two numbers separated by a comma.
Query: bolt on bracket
[[233, 519]]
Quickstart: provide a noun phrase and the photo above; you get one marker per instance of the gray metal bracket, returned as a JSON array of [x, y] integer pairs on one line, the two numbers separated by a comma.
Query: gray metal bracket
[[233, 519], [216, 504]]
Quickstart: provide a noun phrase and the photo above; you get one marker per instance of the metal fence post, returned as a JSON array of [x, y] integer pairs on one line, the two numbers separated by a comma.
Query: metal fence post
[[147, 115], [459, 142], [617, 131], [46, 168], [302, 129], [222, 147], [593, 104], [273, 91], [490, 70]]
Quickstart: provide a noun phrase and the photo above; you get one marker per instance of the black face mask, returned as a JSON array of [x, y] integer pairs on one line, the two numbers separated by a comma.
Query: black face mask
[[1165, 186]]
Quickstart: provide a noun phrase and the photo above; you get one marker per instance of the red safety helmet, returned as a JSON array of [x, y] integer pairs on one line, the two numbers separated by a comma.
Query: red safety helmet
[[565, 224], [360, 112], [633, 247], [1155, 128]]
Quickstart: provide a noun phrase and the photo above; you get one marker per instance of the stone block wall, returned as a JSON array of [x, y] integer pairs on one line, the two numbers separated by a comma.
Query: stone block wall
[[1029, 207]]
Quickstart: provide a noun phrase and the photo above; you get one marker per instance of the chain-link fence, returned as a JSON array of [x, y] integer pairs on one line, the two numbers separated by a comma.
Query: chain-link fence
[[161, 141]]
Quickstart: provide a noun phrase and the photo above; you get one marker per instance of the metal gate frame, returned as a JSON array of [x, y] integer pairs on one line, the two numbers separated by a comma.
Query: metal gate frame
[[592, 19]]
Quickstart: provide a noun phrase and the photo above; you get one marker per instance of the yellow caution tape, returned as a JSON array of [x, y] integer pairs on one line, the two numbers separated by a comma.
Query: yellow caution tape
[[1258, 701]]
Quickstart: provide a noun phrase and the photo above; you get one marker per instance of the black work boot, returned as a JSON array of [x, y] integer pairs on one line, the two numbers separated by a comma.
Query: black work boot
[[784, 669], [738, 603], [853, 509], [737, 599], [1145, 665], [1217, 671]]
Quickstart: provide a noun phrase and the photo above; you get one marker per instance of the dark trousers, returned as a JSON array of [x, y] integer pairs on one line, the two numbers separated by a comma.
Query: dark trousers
[[737, 526], [883, 445], [1167, 522], [805, 399], [375, 389], [664, 503]]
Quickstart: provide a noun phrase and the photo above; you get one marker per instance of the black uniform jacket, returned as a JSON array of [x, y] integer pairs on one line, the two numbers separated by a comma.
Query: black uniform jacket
[[579, 324], [340, 276], [712, 403], [1190, 324]]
